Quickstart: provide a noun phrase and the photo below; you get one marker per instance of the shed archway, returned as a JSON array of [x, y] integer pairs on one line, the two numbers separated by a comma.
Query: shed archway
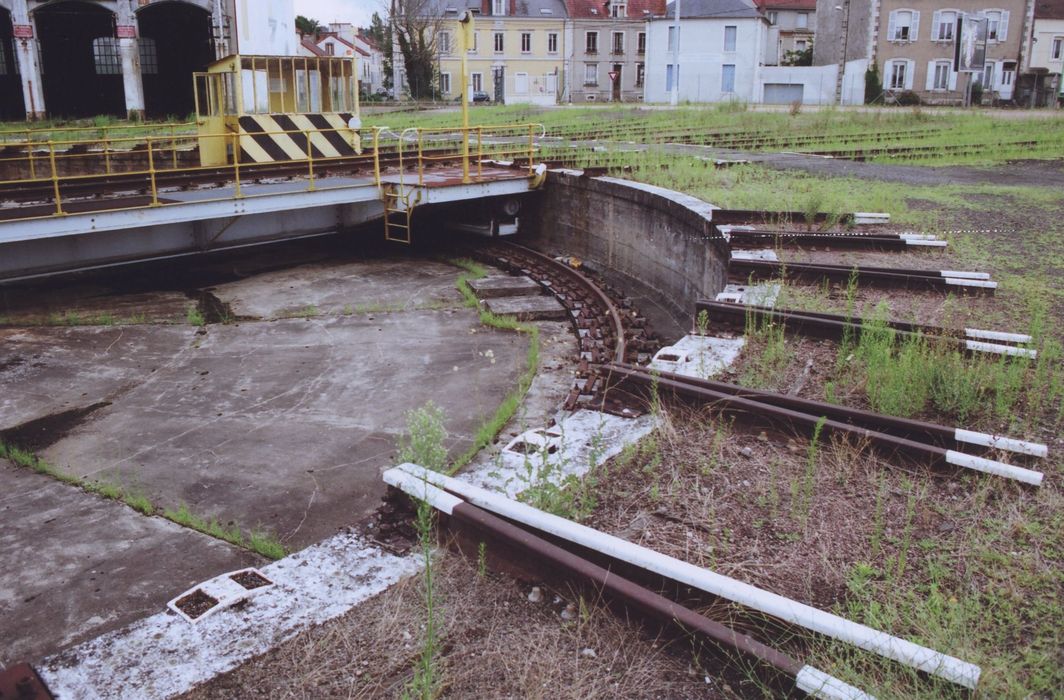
[[175, 42], [11, 102], [81, 65]]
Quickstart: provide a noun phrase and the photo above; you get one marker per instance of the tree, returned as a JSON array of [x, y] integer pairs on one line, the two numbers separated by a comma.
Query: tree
[[379, 32], [416, 23], [307, 26], [873, 85], [799, 58]]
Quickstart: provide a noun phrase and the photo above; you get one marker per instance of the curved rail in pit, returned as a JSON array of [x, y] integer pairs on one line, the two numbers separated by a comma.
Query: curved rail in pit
[[515, 256]]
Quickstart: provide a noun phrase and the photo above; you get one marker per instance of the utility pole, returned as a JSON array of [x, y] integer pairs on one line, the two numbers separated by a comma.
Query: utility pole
[[845, 46], [396, 87], [674, 99]]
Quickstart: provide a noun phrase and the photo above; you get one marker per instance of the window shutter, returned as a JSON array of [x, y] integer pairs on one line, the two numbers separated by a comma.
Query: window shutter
[[914, 31], [892, 26], [929, 82], [952, 77], [1003, 26], [888, 68], [936, 21], [909, 72]]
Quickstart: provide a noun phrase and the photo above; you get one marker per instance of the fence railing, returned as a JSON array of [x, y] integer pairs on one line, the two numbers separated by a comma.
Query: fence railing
[[64, 173]]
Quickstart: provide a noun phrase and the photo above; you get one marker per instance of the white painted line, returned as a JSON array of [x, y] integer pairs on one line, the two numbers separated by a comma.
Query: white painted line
[[997, 335], [918, 236], [989, 466], [820, 685], [422, 489], [1000, 442], [926, 243], [964, 274], [162, 656], [828, 624], [971, 283], [997, 349]]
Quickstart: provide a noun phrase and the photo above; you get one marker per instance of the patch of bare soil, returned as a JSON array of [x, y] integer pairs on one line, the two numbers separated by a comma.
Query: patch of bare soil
[[495, 644]]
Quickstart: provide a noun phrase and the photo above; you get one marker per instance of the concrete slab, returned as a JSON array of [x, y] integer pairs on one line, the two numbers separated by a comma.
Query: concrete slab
[[77, 565], [495, 286], [51, 369], [539, 308], [284, 425], [351, 288]]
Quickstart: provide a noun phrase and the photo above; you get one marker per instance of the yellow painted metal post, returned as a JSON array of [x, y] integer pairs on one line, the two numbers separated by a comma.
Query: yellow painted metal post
[[480, 152], [465, 24], [236, 166], [531, 147], [151, 173], [420, 160], [173, 144], [310, 160], [55, 179], [377, 159], [107, 154], [29, 152]]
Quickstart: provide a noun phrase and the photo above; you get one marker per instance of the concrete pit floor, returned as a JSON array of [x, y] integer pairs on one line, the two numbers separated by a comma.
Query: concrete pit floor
[[281, 420]]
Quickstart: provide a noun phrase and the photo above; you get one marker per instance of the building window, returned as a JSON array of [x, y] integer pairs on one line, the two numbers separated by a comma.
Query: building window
[[988, 76], [590, 74], [642, 43], [477, 81], [498, 8], [640, 73], [3, 60], [445, 42], [618, 43], [473, 48], [729, 38], [1058, 48], [526, 42], [995, 25], [727, 77], [803, 20], [898, 75], [619, 10], [773, 17], [445, 83], [552, 43], [1008, 70], [105, 54], [942, 71], [944, 24], [904, 25], [498, 42], [591, 42], [669, 75], [330, 49], [800, 45], [149, 56], [672, 38]]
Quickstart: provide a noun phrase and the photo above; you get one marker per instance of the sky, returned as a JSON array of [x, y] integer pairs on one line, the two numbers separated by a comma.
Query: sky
[[357, 12]]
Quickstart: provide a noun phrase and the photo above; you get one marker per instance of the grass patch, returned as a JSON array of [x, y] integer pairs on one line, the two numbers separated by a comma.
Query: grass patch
[[262, 543], [487, 431]]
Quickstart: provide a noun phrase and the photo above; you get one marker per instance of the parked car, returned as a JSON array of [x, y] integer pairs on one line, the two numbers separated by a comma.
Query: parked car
[[481, 96]]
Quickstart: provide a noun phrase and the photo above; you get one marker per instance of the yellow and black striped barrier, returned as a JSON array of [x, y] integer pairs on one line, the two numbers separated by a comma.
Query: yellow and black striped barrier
[[275, 138]]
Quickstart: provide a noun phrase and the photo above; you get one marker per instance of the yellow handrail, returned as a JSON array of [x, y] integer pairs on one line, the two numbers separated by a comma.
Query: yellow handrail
[[434, 146]]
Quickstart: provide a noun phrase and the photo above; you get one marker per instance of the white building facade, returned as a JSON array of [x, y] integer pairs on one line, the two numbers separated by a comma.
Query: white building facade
[[722, 44]]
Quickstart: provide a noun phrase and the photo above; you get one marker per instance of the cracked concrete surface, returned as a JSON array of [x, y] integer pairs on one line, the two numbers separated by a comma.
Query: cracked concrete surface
[[282, 425]]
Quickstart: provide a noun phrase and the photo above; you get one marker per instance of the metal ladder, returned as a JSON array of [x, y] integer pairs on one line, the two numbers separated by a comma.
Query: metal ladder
[[399, 203]]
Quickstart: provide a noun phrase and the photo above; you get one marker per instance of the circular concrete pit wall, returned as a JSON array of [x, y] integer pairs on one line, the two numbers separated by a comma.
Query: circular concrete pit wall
[[659, 246]]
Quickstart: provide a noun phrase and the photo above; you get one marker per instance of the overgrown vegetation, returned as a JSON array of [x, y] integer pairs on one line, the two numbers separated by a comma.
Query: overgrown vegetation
[[487, 431], [256, 541]]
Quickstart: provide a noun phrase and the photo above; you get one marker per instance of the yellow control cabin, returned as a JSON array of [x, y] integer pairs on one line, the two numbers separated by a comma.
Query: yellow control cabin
[[277, 108]]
